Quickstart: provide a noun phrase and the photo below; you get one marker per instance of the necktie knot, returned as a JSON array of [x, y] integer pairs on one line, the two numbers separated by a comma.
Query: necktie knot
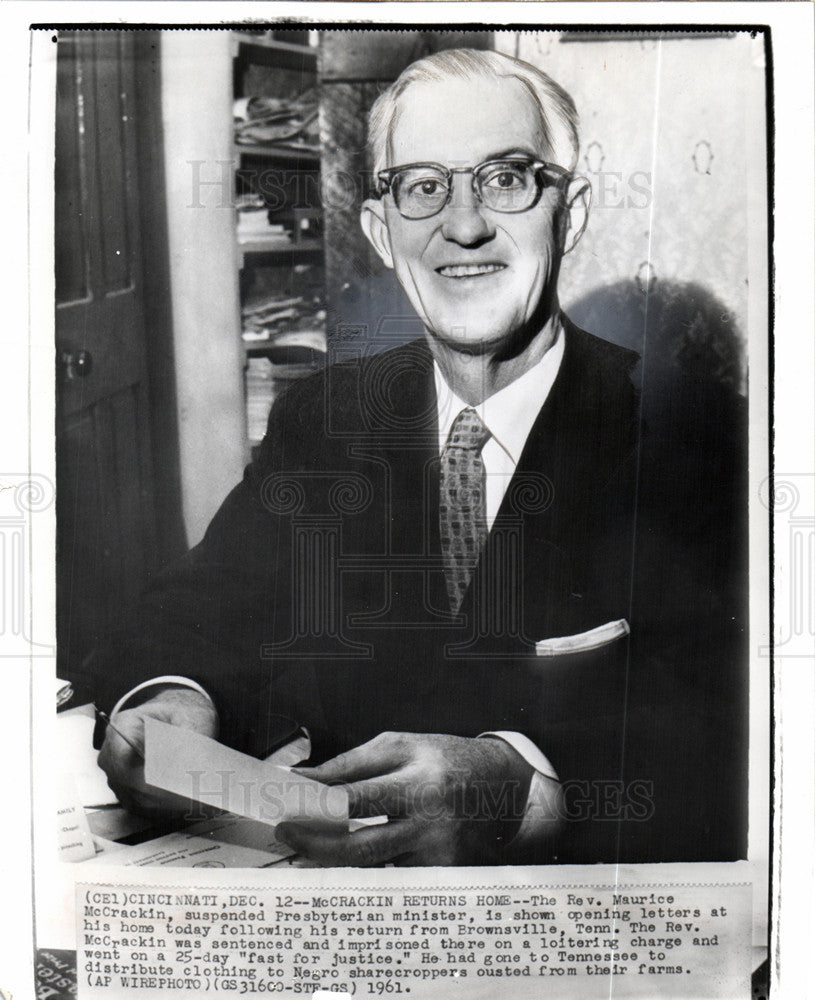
[[468, 431]]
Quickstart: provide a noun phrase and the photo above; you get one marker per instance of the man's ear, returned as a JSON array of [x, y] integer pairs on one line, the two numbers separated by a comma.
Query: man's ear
[[375, 226], [576, 211]]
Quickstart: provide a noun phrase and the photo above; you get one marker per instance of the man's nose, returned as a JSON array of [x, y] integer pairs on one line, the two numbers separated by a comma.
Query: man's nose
[[464, 219]]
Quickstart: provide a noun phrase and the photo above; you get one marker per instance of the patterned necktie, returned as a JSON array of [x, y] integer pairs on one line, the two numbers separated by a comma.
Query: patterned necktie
[[462, 503]]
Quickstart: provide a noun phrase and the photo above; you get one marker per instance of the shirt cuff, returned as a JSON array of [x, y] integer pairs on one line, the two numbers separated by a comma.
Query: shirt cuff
[[527, 749], [542, 809], [542, 813], [165, 679]]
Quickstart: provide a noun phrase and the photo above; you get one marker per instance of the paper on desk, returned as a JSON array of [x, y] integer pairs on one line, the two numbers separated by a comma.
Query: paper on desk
[[223, 842], [74, 840], [115, 822], [197, 767], [78, 757]]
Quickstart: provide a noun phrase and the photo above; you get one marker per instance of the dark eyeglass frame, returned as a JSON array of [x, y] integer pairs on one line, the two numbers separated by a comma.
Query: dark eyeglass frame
[[385, 180]]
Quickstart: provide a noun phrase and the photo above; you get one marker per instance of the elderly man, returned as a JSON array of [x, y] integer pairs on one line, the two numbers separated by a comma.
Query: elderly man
[[461, 564]]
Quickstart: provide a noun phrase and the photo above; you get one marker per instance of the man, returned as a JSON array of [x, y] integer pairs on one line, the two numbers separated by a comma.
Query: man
[[435, 561]]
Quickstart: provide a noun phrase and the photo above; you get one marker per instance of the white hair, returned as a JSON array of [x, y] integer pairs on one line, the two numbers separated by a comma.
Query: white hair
[[557, 112]]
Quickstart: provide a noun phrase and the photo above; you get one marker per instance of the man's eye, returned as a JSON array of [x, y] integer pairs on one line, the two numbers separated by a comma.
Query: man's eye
[[427, 187], [505, 180]]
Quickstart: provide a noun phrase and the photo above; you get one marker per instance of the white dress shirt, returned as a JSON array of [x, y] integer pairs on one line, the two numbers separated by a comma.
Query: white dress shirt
[[508, 415]]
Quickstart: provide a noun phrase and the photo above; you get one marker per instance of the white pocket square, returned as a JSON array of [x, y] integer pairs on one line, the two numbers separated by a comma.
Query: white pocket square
[[583, 641]]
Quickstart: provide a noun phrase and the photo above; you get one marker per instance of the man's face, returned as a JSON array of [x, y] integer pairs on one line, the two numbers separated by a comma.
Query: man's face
[[479, 279]]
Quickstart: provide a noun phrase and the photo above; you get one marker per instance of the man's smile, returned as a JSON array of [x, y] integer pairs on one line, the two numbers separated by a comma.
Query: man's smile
[[469, 270]]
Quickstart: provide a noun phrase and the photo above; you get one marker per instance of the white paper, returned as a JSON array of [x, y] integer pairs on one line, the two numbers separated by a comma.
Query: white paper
[[74, 839], [75, 740], [224, 842], [199, 768]]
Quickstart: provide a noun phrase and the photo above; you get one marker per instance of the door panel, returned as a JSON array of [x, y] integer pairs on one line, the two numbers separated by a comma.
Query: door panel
[[105, 511]]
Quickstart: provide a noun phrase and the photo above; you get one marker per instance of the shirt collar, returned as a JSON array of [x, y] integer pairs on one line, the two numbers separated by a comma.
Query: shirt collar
[[510, 412]]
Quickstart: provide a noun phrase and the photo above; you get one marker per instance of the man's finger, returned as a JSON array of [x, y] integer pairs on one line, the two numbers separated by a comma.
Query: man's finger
[[376, 797], [128, 748], [396, 795], [373, 845], [120, 762], [377, 757], [128, 726]]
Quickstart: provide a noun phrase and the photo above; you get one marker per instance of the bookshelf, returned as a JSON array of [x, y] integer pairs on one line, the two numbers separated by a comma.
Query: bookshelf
[[267, 48], [272, 153], [275, 247], [279, 216]]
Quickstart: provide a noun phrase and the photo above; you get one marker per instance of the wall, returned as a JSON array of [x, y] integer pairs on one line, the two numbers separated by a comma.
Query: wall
[[197, 122], [672, 141]]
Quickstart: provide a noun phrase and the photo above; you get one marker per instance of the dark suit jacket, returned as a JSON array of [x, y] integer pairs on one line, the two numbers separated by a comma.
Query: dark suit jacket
[[318, 594]]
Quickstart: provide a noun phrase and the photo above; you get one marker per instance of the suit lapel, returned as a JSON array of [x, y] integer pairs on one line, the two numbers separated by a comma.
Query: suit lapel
[[401, 411], [583, 432]]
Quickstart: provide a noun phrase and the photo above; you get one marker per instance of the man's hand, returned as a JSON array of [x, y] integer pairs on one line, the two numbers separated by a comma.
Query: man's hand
[[178, 706], [449, 800]]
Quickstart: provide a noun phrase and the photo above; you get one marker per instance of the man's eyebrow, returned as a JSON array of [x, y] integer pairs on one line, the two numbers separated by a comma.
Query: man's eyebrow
[[514, 151]]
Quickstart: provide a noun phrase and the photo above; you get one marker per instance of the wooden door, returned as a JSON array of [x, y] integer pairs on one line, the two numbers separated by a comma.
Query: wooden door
[[105, 508]]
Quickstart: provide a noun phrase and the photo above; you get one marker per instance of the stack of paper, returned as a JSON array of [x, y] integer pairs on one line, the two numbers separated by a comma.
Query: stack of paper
[[288, 125], [276, 314]]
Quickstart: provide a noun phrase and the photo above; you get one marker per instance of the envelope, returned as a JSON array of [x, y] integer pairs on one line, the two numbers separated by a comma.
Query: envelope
[[199, 768]]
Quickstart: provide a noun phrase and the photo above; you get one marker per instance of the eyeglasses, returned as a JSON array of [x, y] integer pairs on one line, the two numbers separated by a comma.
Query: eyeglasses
[[514, 184]]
